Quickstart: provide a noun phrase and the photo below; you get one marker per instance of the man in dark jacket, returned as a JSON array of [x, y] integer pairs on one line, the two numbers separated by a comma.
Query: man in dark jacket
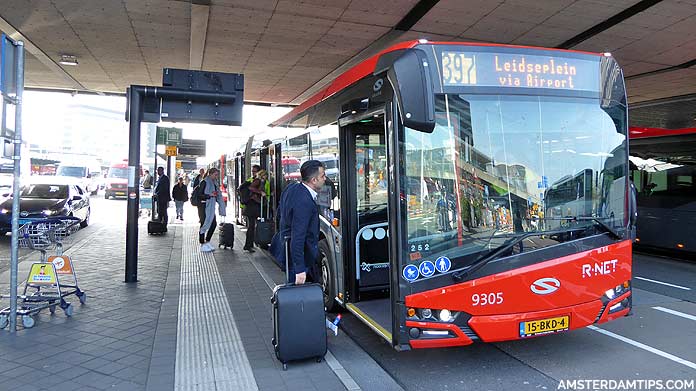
[[162, 195], [198, 178], [299, 219], [180, 195]]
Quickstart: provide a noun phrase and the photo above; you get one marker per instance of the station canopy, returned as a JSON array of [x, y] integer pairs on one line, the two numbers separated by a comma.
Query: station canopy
[[289, 49]]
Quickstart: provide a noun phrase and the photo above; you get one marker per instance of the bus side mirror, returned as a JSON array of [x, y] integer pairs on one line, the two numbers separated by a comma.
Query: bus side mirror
[[410, 76]]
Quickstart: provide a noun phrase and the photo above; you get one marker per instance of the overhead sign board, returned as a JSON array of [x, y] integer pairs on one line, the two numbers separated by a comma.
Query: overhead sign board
[[168, 136], [8, 66], [191, 147], [216, 98], [514, 70]]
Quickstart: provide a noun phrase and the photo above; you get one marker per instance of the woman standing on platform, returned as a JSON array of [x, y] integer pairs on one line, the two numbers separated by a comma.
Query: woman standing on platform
[[206, 211]]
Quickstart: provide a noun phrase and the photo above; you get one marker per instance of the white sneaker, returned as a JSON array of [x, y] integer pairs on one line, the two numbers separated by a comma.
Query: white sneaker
[[205, 247]]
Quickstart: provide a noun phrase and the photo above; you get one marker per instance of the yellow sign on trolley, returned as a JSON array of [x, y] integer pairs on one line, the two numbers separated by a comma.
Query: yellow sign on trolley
[[42, 274], [170, 150]]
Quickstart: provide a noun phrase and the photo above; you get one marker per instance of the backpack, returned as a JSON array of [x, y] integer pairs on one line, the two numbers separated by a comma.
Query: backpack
[[244, 192], [198, 194]]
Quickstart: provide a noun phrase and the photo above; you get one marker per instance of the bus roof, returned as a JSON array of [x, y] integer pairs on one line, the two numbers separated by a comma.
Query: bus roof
[[366, 67], [636, 132]]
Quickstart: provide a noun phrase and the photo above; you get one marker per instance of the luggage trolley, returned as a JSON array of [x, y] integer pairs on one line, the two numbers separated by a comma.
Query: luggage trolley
[[43, 278]]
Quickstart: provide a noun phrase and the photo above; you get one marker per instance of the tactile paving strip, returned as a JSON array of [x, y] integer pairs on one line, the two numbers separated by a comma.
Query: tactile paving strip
[[209, 350]]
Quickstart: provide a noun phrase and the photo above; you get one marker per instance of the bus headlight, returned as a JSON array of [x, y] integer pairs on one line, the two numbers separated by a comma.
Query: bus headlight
[[618, 290], [426, 313], [610, 294], [445, 315]]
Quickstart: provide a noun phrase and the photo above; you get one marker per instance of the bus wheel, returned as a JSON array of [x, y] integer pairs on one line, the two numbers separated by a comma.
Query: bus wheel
[[326, 274]]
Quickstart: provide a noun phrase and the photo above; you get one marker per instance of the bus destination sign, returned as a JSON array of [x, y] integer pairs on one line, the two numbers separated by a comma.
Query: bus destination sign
[[484, 69]]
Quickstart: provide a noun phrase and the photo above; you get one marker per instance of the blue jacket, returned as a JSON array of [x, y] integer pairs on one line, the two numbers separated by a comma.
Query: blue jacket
[[299, 219]]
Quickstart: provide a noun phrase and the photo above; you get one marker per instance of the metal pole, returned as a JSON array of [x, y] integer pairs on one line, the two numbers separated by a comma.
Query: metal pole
[[136, 115], [17, 156]]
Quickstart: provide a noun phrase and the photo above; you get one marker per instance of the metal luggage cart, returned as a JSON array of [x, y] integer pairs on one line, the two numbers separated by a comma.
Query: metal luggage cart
[[145, 203], [43, 235]]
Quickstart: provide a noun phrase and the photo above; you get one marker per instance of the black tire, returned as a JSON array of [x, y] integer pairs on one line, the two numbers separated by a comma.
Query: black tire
[[326, 276], [85, 222]]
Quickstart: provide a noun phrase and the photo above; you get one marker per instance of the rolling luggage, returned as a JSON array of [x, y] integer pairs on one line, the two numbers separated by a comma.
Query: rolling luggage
[[299, 320], [154, 226], [264, 228], [226, 238]]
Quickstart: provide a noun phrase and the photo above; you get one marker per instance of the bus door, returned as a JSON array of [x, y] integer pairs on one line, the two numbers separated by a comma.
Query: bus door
[[364, 202], [239, 170]]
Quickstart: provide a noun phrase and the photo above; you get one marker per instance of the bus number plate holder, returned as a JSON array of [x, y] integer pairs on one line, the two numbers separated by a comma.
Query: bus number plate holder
[[544, 326]]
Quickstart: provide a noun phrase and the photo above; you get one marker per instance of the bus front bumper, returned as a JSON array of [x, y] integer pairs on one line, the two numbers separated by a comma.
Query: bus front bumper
[[496, 328]]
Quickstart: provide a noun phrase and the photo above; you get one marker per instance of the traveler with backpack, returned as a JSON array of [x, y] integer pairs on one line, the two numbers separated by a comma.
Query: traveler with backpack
[[207, 194], [252, 209]]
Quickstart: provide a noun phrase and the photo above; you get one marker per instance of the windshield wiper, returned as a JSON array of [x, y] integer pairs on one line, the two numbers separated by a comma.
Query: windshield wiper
[[510, 243], [602, 224], [483, 260]]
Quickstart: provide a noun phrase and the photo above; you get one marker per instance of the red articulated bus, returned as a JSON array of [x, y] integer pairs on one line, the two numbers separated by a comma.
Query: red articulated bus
[[481, 191]]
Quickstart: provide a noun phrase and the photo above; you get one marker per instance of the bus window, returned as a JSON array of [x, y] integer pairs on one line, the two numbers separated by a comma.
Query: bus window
[[325, 149]]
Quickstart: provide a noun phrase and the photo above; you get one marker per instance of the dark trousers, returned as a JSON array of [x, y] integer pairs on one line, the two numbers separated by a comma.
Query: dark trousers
[[201, 217], [162, 211], [251, 230]]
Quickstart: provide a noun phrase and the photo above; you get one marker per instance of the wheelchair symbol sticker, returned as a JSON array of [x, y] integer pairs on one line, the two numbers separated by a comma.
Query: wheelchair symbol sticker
[[410, 273], [443, 264], [426, 269]]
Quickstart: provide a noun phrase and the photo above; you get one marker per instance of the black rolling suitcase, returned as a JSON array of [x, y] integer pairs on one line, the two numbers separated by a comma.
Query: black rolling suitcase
[[264, 228], [226, 238], [154, 226], [299, 320]]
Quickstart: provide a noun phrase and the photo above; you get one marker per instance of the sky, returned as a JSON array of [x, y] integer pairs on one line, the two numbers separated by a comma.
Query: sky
[[46, 114]]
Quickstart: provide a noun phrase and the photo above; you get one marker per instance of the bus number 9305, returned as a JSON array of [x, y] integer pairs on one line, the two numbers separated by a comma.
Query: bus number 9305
[[487, 298]]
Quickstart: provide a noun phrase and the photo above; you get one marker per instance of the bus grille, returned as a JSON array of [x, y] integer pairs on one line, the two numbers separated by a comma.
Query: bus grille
[[469, 332], [601, 311]]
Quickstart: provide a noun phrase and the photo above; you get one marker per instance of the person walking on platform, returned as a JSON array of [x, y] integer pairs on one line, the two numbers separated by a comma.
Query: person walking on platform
[[198, 178], [211, 195], [252, 209], [299, 219], [180, 195], [162, 195]]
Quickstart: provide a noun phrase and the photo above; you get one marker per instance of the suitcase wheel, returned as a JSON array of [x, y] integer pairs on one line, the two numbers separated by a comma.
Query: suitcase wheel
[[319, 359]]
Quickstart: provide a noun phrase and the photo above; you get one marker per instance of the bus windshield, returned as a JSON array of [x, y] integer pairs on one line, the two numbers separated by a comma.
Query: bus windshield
[[497, 166]]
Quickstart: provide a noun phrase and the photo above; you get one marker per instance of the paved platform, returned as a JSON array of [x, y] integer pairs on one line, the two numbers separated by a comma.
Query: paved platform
[[193, 321]]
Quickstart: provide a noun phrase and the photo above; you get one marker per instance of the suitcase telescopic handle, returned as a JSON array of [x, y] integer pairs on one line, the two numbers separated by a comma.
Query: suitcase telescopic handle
[[286, 245]]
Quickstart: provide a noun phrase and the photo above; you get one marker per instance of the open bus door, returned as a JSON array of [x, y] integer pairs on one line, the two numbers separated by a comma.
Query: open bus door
[[371, 293], [239, 170]]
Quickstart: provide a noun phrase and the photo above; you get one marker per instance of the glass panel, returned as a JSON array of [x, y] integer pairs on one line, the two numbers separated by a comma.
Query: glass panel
[[371, 165], [498, 166], [325, 149], [295, 151]]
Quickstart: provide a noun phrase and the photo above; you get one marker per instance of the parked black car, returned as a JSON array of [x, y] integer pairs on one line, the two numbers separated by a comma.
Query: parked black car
[[46, 199]]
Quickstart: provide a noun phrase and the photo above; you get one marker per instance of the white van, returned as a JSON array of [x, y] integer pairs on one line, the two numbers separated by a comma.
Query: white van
[[86, 174]]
